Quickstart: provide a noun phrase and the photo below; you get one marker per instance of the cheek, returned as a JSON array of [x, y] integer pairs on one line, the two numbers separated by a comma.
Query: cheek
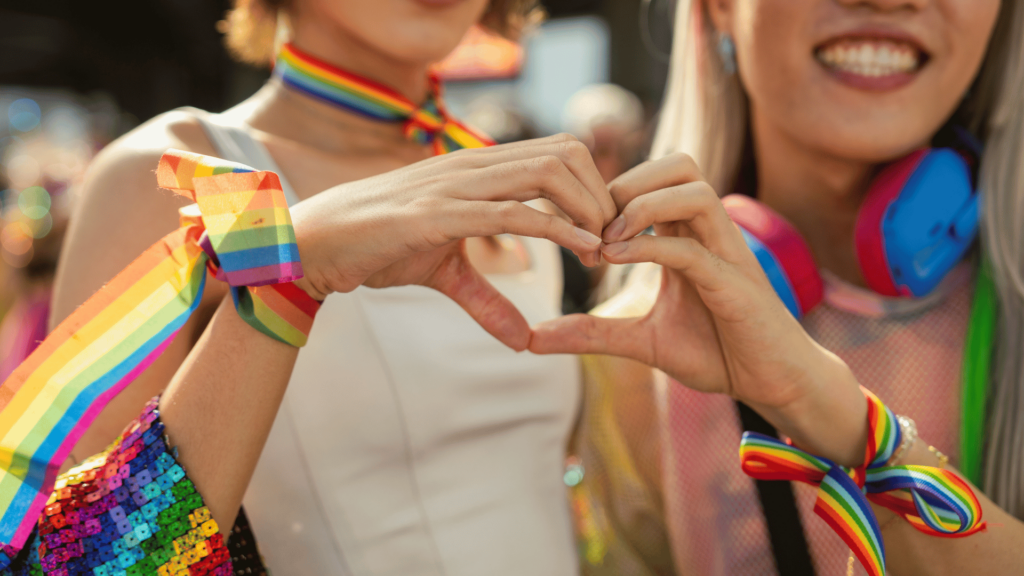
[[970, 26]]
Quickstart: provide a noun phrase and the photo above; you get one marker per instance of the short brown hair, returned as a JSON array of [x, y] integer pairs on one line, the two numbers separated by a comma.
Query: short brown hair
[[249, 28]]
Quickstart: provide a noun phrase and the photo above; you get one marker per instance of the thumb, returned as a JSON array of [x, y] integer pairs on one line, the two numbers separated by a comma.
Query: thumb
[[456, 278], [586, 334]]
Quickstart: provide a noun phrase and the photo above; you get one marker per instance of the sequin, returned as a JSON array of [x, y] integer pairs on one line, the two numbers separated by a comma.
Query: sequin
[[129, 511]]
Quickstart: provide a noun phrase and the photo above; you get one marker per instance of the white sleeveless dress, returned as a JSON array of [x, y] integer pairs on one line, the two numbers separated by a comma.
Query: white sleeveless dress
[[410, 442]]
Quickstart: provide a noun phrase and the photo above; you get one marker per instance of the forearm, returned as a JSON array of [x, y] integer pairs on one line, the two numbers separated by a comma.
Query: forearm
[[832, 423], [221, 404], [997, 550]]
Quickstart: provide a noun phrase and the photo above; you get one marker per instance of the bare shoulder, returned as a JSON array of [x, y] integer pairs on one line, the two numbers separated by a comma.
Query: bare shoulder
[[124, 171], [119, 210]]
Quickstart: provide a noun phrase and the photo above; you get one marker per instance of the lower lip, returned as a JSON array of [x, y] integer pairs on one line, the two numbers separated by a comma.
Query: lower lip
[[872, 83], [438, 3]]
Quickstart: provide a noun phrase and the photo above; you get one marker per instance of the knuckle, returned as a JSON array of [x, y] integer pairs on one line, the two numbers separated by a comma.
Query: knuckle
[[637, 211], [704, 195], [462, 158], [682, 160], [507, 213], [705, 191], [551, 225], [620, 190], [564, 137], [574, 150], [548, 166], [507, 209]]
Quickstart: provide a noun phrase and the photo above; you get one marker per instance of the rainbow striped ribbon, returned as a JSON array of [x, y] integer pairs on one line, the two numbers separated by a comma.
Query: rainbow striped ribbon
[[933, 500], [426, 124], [242, 220]]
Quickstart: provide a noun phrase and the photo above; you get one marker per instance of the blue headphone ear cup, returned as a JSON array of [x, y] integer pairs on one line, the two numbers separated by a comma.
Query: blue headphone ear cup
[[783, 254], [918, 220]]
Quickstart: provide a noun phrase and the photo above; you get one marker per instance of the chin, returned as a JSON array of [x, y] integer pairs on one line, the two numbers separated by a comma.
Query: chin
[[869, 141], [424, 42], [411, 31]]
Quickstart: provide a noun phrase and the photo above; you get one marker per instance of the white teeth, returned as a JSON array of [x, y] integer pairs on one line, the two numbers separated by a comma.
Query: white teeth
[[870, 58]]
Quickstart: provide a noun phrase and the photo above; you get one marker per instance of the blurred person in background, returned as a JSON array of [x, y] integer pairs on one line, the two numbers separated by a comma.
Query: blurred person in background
[[610, 120], [51, 138], [410, 440], [800, 104]]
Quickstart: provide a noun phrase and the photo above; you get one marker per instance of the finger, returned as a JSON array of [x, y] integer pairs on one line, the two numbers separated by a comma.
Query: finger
[[586, 334], [458, 280], [696, 204], [699, 265], [672, 170], [553, 139], [472, 219], [488, 155], [573, 153], [542, 177]]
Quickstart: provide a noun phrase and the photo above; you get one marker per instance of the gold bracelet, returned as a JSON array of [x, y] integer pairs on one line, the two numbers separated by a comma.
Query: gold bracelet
[[943, 459], [909, 429]]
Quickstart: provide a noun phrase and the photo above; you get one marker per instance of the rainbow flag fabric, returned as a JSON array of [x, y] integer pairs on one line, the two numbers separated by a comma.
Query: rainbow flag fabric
[[239, 229], [933, 500], [428, 123]]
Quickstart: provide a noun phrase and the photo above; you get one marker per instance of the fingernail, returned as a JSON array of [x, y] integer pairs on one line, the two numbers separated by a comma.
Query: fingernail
[[615, 248], [615, 229], [587, 237], [597, 257]]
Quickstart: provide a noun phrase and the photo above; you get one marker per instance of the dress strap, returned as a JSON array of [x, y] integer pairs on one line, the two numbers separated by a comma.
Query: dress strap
[[237, 144]]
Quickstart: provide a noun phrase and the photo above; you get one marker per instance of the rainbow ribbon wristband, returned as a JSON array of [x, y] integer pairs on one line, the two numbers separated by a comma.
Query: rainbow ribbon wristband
[[933, 500], [240, 230]]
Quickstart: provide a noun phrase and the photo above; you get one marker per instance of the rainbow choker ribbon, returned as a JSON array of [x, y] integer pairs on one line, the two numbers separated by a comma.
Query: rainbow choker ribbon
[[933, 500], [240, 230], [426, 124]]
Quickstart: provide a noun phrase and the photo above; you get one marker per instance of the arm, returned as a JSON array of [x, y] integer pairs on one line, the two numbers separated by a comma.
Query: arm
[[738, 339], [997, 550], [220, 405]]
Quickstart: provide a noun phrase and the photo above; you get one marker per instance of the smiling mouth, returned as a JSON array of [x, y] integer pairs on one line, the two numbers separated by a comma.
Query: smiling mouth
[[871, 57]]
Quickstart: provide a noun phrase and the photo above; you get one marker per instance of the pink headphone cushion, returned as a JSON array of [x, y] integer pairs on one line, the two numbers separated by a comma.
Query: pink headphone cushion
[[784, 242], [868, 239]]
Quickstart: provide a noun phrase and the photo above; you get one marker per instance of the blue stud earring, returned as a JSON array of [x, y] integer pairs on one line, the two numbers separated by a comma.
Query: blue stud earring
[[727, 52]]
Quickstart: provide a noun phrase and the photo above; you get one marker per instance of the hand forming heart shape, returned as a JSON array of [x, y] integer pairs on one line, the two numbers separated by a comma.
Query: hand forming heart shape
[[408, 226], [716, 325]]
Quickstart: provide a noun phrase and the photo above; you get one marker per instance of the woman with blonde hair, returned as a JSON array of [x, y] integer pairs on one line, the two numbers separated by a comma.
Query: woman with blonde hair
[[411, 439], [800, 104]]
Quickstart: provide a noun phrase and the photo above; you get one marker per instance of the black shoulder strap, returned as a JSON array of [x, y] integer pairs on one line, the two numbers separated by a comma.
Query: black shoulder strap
[[789, 545]]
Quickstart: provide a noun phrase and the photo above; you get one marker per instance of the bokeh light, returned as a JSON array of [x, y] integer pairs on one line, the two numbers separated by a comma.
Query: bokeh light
[[34, 202], [24, 114], [65, 123], [573, 471], [23, 171], [16, 238], [40, 227]]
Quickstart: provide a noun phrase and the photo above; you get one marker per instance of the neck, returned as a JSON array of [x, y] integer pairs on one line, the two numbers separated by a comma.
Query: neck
[[341, 49], [818, 193], [309, 121]]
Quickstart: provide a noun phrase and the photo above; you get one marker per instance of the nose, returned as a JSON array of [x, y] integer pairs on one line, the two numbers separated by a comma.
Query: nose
[[886, 5]]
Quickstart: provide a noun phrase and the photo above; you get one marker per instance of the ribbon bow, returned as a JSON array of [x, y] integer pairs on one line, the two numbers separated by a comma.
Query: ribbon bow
[[933, 500], [240, 229], [426, 124]]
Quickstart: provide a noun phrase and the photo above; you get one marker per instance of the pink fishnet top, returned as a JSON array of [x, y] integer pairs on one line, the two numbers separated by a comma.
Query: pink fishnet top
[[907, 351]]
